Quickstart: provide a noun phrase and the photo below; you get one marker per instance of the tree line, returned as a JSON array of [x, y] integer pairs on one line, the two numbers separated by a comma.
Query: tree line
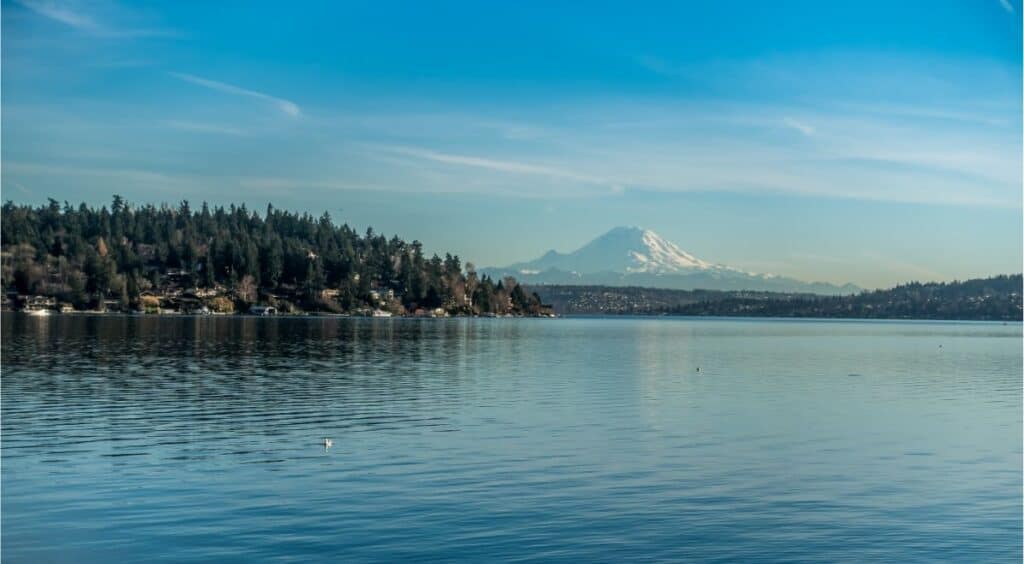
[[84, 255], [995, 298]]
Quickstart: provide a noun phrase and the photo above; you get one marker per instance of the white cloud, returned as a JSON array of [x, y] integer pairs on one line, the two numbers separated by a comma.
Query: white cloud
[[800, 126], [888, 110], [21, 188], [130, 174], [287, 185], [854, 156], [492, 164], [61, 12], [287, 106], [205, 127], [1006, 6]]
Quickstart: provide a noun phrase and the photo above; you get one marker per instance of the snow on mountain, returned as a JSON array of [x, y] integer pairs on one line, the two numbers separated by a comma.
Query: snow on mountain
[[658, 255], [641, 257], [623, 249]]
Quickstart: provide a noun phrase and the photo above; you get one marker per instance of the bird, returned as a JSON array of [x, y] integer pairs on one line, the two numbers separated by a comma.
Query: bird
[[698, 369], [328, 443]]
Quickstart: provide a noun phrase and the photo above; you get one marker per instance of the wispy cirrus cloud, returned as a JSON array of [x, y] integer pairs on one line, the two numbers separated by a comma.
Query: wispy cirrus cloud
[[1006, 6], [802, 127], [853, 156], [992, 117], [60, 13], [286, 106], [68, 14], [493, 164], [205, 127], [136, 175]]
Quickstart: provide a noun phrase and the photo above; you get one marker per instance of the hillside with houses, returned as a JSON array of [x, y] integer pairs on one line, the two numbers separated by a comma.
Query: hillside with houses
[[223, 260]]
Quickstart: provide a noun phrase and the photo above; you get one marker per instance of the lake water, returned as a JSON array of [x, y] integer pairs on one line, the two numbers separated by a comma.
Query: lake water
[[200, 439]]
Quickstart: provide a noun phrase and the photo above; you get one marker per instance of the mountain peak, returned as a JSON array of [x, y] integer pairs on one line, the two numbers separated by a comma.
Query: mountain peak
[[631, 255], [625, 250], [624, 231], [645, 251]]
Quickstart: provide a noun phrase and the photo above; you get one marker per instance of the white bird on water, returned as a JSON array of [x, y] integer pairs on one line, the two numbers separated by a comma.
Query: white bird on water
[[328, 443]]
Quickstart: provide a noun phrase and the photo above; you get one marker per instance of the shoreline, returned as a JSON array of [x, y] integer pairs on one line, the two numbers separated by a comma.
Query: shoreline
[[568, 316], [84, 313]]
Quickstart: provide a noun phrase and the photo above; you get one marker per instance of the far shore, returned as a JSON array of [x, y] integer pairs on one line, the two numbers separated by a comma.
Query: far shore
[[608, 316]]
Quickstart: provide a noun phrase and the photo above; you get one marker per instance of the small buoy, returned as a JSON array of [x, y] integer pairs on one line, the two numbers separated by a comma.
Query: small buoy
[[698, 369], [328, 443]]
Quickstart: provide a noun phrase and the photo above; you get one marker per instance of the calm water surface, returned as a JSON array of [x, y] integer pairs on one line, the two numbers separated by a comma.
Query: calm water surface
[[199, 439]]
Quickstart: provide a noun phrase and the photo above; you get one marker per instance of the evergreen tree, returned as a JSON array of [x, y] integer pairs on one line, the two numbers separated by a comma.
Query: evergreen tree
[[83, 255]]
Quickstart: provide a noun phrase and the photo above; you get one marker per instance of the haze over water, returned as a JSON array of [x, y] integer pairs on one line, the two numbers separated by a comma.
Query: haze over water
[[187, 439]]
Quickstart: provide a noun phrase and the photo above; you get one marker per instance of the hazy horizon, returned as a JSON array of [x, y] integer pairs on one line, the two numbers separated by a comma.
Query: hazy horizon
[[867, 143]]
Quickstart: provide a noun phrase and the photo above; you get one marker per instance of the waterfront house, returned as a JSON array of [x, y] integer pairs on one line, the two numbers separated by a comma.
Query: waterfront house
[[36, 303]]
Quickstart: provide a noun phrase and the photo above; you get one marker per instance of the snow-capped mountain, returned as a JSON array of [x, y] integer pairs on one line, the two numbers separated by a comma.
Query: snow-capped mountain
[[631, 256]]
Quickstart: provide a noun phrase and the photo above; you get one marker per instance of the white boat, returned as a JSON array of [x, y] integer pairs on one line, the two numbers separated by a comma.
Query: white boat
[[39, 312], [381, 313]]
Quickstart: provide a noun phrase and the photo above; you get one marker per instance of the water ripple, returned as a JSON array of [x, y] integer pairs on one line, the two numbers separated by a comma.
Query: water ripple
[[200, 439]]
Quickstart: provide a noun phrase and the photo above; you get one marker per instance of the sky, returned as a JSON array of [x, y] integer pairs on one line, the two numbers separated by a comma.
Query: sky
[[865, 142]]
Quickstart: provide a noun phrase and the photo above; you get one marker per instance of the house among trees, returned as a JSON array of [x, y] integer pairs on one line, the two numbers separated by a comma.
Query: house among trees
[[162, 259], [40, 302]]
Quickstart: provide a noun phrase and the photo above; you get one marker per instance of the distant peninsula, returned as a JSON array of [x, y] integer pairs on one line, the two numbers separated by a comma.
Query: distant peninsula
[[997, 298]]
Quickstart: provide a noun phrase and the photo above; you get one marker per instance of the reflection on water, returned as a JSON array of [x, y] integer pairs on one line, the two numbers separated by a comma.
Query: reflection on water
[[140, 438]]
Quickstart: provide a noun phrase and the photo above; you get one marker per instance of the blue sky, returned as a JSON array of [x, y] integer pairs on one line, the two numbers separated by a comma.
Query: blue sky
[[865, 142]]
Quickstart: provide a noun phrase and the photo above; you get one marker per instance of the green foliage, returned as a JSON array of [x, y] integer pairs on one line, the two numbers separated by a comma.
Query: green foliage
[[83, 255], [996, 298]]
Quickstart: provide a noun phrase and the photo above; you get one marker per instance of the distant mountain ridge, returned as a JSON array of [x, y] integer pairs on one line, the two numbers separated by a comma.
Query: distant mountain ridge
[[632, 256]]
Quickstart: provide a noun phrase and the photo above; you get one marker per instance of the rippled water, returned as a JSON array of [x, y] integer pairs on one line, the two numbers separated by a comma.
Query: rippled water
[[177, 439]]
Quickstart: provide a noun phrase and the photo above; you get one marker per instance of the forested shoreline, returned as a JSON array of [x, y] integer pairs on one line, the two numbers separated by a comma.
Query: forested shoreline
[[162, 259], [229, 259], [997, 298]]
